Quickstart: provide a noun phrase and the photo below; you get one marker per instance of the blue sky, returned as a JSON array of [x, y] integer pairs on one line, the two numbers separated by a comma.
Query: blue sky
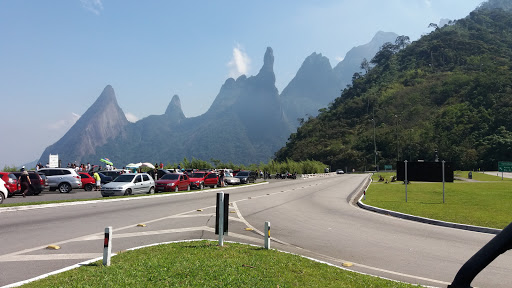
[[56, 56]]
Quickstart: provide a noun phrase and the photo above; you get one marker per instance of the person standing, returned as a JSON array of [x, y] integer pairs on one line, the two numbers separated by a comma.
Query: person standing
[[97, 177], [24, 181], [221, 177]]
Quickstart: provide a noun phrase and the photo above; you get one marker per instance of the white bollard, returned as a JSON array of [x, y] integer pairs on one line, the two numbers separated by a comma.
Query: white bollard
[[267, 235], [107, 246]]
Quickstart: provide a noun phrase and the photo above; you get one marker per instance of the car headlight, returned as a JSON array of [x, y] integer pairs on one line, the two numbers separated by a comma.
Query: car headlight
[[170, 184], [197, 182]]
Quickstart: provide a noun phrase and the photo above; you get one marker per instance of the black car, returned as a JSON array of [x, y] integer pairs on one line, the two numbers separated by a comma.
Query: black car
[[104, 178], [246, 176], [38, 182]]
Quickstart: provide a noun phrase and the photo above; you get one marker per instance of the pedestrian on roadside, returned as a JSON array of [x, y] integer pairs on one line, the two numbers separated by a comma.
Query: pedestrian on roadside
[[97, 177], [24, 182], [221, 177]]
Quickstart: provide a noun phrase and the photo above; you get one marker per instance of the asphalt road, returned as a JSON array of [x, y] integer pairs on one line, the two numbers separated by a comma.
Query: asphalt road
[[312, 217]]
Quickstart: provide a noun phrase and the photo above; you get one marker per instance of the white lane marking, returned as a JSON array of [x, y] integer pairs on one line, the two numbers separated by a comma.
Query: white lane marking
[[18, 258]]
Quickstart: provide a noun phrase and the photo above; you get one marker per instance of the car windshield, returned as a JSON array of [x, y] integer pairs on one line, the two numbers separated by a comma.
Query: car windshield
[[197, 175], [242, 174], [170, 177], [124, 178]]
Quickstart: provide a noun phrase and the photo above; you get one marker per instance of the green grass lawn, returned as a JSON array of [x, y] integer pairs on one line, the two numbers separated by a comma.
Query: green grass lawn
[[480, 176], [487, 204], [204, 264]]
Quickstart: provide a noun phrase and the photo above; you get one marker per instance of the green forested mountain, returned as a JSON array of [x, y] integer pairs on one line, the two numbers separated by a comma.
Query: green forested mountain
[[450, 91]]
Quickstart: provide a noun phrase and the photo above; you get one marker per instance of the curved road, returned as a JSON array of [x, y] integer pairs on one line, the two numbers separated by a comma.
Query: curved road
[[312, 217]]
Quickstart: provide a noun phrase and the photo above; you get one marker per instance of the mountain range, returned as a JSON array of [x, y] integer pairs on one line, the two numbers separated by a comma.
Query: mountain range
[[247, 122], [446, 96]]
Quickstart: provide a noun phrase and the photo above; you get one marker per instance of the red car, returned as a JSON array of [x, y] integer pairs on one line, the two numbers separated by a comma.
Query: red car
[[201, 179], [11, 182], [173, 182], [88, 181]]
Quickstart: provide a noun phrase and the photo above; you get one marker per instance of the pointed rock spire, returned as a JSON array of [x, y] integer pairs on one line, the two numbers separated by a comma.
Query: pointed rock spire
[[267, 70], [174, 110]]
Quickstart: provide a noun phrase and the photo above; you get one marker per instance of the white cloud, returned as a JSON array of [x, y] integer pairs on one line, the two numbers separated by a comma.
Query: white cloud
[[132, 118], [95, 6], [64, 124], [428, 3], [240, 63], [339, 58]]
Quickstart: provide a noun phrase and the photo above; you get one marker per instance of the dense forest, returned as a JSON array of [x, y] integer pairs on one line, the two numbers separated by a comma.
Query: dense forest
[[446, 96]]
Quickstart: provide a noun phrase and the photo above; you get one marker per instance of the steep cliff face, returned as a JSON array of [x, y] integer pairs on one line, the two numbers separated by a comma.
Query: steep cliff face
[[352, 61], [101, 123], [312, 88]]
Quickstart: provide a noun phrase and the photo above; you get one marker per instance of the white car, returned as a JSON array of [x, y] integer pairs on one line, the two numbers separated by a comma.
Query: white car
[[3, 191], [339, 171], [128, 184]]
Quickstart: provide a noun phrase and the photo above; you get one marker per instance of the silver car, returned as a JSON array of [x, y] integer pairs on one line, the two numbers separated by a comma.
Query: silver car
[[129, 184], [63, 179]]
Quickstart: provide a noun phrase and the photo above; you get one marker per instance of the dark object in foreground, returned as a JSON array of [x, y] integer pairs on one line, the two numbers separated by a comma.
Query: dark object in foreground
[[497, 246]]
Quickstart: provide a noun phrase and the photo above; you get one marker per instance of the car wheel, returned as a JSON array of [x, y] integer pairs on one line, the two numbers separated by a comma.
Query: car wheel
[[201, 186], [9, 195], [64, 188], [2, 197], [176, 188], [188, 188], [88, 187], [151, 190], [128, 192]]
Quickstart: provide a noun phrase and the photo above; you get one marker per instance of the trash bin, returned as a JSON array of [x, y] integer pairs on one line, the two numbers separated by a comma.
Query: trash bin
[[470, 175]]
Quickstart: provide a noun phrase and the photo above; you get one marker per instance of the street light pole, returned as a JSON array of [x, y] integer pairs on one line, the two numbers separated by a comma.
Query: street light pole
[[397, 146], [374, 144]]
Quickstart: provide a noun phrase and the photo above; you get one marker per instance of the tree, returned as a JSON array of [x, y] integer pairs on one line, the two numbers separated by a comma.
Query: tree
[[365, 65], [387, 50], [402, 41]]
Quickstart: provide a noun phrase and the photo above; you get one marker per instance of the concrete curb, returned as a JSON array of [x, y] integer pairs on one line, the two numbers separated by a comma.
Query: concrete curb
[[422, 219]]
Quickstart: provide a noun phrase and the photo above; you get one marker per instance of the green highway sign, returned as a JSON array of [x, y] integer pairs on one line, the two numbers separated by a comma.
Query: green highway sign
[[388, 167], [504, 166]]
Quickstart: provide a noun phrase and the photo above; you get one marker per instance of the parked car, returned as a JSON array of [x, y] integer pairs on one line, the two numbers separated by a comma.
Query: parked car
[[63, 179], [88, 181], [110, 173], [3, 191], [199, 180], [39, 182], [159, 173], [340, 171], [246, 176], [104, 178], [11, 183], [230, 180], [129, 184], [173, 182]]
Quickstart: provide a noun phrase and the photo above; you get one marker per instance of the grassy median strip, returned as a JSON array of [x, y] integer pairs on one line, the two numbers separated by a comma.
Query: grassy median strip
[[486, 204], [204, 264]]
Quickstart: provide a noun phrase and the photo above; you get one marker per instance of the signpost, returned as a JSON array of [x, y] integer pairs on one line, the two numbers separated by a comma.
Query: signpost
[[53, 161], [504, 167]]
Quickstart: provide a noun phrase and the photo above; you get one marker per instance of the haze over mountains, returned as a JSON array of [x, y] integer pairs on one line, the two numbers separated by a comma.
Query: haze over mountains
[[247, 122]]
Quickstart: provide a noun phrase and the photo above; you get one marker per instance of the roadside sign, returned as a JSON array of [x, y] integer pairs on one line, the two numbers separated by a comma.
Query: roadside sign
[[504, 166], [53, 161], [388, 167]]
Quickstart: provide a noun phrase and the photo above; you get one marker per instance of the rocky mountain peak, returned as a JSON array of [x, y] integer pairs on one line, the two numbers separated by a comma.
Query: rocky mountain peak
[[174, 106]]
